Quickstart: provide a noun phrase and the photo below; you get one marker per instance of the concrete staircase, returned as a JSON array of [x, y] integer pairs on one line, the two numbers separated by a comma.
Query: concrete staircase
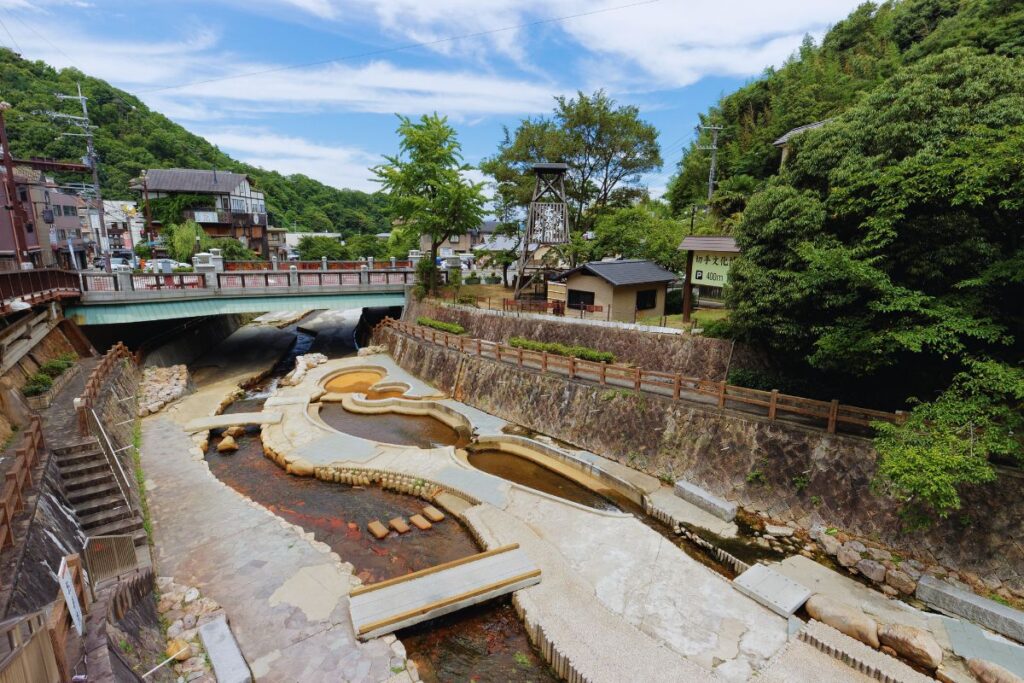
[[92, 489]]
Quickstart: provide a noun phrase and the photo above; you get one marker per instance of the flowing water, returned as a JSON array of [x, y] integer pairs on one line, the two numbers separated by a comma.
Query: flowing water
[[483, 643]]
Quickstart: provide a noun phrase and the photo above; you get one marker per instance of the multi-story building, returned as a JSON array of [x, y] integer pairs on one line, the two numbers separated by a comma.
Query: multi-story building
[[52, 229], [226, 204], [124, 224]]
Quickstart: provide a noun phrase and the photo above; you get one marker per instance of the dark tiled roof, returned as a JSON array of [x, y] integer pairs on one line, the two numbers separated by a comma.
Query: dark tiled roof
[[624, 272], [798, 130], [192, 180], [488, 227], [693, 243]]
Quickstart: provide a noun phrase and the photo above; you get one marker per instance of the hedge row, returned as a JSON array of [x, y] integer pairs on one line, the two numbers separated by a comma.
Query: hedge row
[[581, 352], [41, 382], [450, 328]]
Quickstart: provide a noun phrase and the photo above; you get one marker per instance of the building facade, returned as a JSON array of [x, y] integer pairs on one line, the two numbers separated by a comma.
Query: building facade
[[226, 204], [626, 290]]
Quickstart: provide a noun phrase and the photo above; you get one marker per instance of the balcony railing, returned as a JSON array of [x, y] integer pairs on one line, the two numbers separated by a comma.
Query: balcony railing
[[223, 217]]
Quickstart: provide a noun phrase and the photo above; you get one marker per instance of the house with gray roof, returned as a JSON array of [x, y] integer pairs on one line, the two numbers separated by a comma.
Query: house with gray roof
[[226, 204], [625, 289]]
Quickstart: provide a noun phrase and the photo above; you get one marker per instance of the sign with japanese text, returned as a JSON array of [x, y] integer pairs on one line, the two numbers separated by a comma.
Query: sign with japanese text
[[67, 586], [711, 268]]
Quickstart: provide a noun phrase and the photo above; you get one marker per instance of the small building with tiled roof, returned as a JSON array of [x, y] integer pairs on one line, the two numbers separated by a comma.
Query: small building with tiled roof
[[784, 140], [626, 289]]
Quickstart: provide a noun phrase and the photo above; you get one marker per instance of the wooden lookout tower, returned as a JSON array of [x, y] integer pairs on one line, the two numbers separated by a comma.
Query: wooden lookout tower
[[548, 220]]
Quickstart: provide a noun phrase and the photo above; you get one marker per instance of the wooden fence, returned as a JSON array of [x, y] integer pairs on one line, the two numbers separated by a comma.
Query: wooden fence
[[26, 654], [94, 385], [19, 478], [61, 625], [832, 415]]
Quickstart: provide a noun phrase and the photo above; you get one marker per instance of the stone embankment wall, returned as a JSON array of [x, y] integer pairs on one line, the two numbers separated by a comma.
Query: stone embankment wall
[[691, 355], [792, 474]]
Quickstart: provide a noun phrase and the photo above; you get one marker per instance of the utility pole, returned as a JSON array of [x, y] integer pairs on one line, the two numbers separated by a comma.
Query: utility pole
[[92, 159], [17, 210], [713, 148]]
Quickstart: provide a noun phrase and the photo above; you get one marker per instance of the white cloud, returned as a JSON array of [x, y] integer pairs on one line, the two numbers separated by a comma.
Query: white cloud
[[332, 164]]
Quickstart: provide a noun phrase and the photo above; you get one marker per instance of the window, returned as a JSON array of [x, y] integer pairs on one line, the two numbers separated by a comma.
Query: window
[[454, 239], [577, 298], [646, 299]]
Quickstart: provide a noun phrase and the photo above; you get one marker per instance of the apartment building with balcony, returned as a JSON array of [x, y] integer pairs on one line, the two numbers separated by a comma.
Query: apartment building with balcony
[[227, 204]]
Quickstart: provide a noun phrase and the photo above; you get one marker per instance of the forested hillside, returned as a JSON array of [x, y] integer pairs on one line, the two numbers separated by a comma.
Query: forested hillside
[[131, 137], [884, 263]]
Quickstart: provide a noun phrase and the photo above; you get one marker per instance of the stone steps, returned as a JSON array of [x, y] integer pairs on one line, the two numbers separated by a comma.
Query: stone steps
[[127, 526], [91, 505], [83, 468], [84, 481], [103, 487], [79, 457], [105, 516]]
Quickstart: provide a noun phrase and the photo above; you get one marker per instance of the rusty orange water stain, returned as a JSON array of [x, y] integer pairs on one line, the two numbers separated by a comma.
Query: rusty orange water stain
[[357, 381]]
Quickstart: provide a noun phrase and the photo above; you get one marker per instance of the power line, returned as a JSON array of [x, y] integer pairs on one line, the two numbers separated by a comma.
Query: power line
[[399, 48], [10, 35]]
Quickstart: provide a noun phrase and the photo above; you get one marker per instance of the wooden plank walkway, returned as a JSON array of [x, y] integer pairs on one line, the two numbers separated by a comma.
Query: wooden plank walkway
[[381, 608]]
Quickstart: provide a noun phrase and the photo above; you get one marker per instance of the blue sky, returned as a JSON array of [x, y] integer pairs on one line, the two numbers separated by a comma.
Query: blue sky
[[333, 119]]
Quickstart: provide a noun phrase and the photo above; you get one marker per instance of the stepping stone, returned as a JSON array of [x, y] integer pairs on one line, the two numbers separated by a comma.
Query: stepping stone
[[377, 529], [433, 514], [228, 664], [399, 525], [420, 523]]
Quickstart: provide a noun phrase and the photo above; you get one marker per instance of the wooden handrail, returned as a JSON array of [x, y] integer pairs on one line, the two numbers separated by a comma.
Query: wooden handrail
[[778, 405], [97, 378]]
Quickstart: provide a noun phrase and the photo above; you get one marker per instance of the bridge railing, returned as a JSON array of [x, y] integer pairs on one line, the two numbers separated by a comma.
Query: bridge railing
[[36, 286], [236, 280], [233, 266]]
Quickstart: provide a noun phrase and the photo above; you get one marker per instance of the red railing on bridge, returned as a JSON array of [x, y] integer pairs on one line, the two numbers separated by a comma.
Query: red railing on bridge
[[36, 287], [231, 266]]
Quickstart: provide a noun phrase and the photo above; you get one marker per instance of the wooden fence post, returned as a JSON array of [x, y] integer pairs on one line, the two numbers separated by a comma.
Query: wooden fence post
[[833, 413], [604, 374], [676, 386], [572, 367], [520, 354], [636, 380], [721, 394], [773, 404]]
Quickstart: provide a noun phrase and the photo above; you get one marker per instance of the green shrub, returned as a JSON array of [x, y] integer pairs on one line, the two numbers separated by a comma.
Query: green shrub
[[673, 302], [69, 357], [472, 279], [38, 383], [54, 368], [450, 328], [466, 300], [492, 280], [581, 352], [720, 329]]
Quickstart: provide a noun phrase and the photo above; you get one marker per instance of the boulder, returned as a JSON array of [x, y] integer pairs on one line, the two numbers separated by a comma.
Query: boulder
[[178, 649], [830, 544], [915, 644], [847, 557], [778, 530], [872, 570], [844, 618], [901, 581], [987, 672], [227, 445], [235, 431]]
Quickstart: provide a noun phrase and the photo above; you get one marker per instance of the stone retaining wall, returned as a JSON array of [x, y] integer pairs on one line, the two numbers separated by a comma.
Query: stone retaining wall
[[800, 476], [691, 355]]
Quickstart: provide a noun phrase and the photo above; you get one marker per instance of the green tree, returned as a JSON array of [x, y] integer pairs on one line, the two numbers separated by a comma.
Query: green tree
[[315, 220], [364, 246], [316, 247], [232, 250], [183, 240], [891, 244], [608, 148], [426, 185], [643, 231]]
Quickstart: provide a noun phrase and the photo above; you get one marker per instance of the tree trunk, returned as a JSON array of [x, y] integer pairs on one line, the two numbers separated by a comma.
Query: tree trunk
[[432, 285], [504, 274]]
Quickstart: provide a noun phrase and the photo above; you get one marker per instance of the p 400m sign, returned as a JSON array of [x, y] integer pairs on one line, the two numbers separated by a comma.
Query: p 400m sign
[[711, 268]]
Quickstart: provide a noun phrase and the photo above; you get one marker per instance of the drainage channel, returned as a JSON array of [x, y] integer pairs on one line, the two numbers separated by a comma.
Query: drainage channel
[[485, 643]]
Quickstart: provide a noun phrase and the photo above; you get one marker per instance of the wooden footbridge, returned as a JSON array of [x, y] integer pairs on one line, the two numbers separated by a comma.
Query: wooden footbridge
[[381, 608]]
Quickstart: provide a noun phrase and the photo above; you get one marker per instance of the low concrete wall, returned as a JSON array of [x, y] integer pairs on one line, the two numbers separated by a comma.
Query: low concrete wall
[[801, 476], [691, 355]]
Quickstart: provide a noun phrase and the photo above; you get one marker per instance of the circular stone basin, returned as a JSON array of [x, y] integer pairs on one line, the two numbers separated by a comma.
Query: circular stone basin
[[528, 473], [355, 381], [421, 431]]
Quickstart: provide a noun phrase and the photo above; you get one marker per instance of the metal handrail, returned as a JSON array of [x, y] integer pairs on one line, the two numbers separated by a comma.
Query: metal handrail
[[113, 454]]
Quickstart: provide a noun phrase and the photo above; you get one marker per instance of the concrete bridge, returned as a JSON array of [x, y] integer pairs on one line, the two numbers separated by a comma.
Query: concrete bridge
[[112, 298]]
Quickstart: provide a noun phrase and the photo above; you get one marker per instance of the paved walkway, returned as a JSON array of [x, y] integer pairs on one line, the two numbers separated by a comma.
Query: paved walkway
[[285, 595], [617, 599]]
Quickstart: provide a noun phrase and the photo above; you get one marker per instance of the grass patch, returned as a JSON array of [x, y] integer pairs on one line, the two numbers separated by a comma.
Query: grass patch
[[450, 328], [522, 660], [581, 352], [140, 479]]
